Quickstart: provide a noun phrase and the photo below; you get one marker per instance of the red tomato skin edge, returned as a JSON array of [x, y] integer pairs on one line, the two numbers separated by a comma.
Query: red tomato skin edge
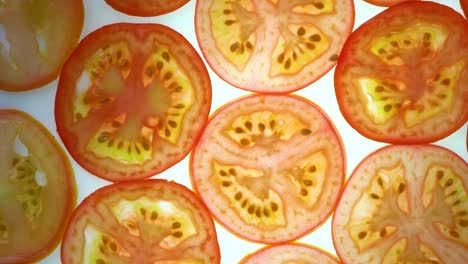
[[146, 183], [464, 7], [69, 140], [358, 166], [53, 75], [325, 70], [142, 12], [72, 197], [299, 235], [386, 3]]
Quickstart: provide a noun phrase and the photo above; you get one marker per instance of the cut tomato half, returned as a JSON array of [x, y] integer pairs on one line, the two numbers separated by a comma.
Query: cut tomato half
[[132, 100], [273, 46], [146, 221], [269, 167], [402, 77], [146, 8], [36, 37], [290, 253], [386, 2], [404, 204], [37, 189]]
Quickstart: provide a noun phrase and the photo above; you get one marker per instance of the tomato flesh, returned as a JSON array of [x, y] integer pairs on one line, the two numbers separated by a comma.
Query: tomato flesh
[[130, 102], [404, 204], [269, 167], [146, 8], [272, 46], [386, 2], [31, 33], [37, 189], [464, 6], [146, 221]]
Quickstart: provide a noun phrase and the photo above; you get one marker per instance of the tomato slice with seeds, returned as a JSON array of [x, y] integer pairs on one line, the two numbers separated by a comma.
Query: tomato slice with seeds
[[37, 189], [290, 253], [132, 100], [404, 204], [402, 75], [272, 46], [386, 2], [269, 167], [146, 8], [145, 221], [31, 33]]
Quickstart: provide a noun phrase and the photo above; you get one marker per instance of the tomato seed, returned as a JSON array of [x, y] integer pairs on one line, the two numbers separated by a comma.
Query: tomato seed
[[234, 46], [226, 183], [248, 45], [251, 209], [387, 108], [301, 31], [172, 123], [315, 38], [304, 192], [159, 65], [233, 172], [113, 246], [274, 206], [319, 5], [258, 213], [312, 169], [401, 188], [362, 235], [143, 212], [266, 212], [227, 11], [261, 127], [427, 36], [383, 232], [305, 131], [463, 223], [229, 22], [454, 234], [166, 56], [100, 261], [307, 182], [374, 196], [176, 225], [248, 125], [448, 183], [154, 215], [334, 57], [280, 58], [446, 82], [238, 196], [177, 234]]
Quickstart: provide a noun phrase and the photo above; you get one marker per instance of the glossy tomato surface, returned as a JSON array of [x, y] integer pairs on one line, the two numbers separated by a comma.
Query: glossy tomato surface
[[402, 76], [386, 2], [132, 100], [146, 221], [404, 204], [272, 46], [37, 189], [36, 37], [269, 167], [146, 8]]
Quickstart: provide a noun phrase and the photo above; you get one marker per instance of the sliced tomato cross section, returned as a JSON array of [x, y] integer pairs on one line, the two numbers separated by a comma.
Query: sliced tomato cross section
[[145, 221], [146, 8], [269, 167], [132, 100], [37, 189], [402, 77], [404, 204], [272, 46]]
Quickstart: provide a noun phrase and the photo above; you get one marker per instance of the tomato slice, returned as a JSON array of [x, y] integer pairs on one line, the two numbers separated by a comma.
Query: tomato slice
[[386, 2], [272, 46], [145, 221], [37, 189], [289, 253], [402, 75], [464, 6], [269, 167], [404, 204], [146, 8], [132, 100], [31, 34]]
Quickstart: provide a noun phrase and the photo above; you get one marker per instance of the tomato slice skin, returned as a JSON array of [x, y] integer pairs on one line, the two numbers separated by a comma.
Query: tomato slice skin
[[145, 8], [386, 3], [415, 207], [263, 157], [30, 34], [37, 189], [142, 221], [406, 83], [273, 46], [130, 103]]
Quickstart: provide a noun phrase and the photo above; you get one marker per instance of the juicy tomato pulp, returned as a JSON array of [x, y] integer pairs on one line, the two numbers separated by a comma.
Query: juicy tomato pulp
[[146, 7], [270, 168], [272, 46], [290, 253], [132, 100], [402, 77], [37, 189], [386, 2], [36, 37], [146, 221], [404, 204]]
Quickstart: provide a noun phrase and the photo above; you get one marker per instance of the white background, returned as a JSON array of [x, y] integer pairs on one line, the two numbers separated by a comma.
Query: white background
[[39, 103]]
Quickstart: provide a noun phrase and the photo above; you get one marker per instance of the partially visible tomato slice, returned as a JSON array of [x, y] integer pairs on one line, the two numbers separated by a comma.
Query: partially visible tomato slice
[[37, 189], [272, 46], [269, 167], [36, 37], [386, 2], [132, 100], [464, 6], [146, 221], [290, 253], [402, 77], [404, 204], [146, 8]]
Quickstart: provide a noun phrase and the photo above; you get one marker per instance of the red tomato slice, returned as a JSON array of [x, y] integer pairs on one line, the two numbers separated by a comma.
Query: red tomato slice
[[36, 37], [464, 6], [132, 100], [37, 189], [386, 2], [146, 221], [290, 253], [402, 75], [404, 204], [146, 7], [273, 46], [269, 167]]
